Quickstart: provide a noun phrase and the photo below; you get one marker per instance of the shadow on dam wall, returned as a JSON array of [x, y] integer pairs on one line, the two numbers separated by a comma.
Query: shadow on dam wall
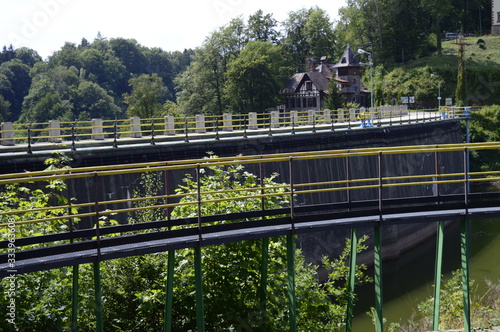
[[396, 238]]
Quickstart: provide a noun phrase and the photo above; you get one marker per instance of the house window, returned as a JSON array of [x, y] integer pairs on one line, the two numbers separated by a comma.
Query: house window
[[309, 86], [498, 17], [311, 102]]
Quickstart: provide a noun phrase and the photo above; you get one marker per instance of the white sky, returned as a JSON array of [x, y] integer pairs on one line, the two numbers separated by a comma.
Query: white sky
[[45, 25]]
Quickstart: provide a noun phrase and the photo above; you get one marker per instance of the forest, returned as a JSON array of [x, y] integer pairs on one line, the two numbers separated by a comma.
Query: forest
[[241, 66]]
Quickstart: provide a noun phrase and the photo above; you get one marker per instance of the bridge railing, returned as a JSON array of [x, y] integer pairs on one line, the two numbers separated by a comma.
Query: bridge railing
[[353, 200], [55, 131]]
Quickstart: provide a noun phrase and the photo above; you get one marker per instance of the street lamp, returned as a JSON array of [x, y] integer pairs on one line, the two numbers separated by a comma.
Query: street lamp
[[362, 51], [439, 91]]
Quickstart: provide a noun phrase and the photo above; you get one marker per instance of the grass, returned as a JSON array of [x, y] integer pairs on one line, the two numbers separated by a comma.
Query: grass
[[476, 56]]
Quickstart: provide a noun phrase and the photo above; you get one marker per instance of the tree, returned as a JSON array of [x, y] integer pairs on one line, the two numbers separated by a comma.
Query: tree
[[18, 74], [308, 33], [147, 97], [485, 127], [130, 54], [4, 109], [92, 101], [461, 90], [403, 83], [320, 35], [41, 297], [262, 27], [334, 99], [60, 93], [50, 95], [28, 56], [255, 77], [437, 10], [201, 85]]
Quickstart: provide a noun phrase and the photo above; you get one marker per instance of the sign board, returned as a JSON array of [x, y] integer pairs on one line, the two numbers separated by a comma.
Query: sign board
[[449, 101], [408, 100]]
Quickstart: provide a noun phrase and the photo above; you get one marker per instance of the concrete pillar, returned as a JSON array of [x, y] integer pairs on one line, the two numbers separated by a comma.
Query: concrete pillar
[[169, 125], [311, 114], [252, 121], [97, 130], [275, 119], [294, 118], [352, 114], [200, 124], [135, 127], [54, 131], [8, 134], [227, 122], [341, 115], [327, 116]]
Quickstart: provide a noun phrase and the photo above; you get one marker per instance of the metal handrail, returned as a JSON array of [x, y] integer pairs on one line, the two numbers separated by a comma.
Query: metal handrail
[[40, 131]]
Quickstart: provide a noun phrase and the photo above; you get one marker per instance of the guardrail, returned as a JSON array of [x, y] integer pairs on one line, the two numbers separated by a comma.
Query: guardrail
[[91, 244], [201, 126]]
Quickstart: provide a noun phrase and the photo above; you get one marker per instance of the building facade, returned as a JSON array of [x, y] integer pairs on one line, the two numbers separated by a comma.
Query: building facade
[[495, 17], [308, 90]]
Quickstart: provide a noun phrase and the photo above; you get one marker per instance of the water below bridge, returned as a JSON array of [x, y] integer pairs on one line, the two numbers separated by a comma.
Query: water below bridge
[[408, 280]]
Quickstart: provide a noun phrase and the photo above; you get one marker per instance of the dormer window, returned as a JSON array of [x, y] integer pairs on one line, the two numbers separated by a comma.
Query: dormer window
[[344, 60]]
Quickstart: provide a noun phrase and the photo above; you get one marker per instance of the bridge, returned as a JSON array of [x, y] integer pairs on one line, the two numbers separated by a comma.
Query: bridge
[[98, 142], [345, 199]]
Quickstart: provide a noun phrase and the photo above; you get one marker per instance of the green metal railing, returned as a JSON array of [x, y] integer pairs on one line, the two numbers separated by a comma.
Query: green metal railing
[[383, 181]]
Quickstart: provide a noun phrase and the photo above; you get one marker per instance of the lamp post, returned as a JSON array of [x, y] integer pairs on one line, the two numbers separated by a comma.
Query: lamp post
[[439, 91], [361, 51]]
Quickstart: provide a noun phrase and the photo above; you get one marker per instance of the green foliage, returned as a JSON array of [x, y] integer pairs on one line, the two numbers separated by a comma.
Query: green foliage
[[262, 28], [17, 75], [255, 77], [334, 99], [461, 90], [485, 308], [134, 288], [403, 83], [4, 109], [147, 97], [42, 298], [485, 127], [231, 271], [308, 33]]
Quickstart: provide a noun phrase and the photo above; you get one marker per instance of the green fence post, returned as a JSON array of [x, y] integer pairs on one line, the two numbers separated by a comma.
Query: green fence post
[[352, 279], [169, 293], [74, 307], [290, 244], [265, 257], [263, 279], [437, 276], [464, 243], [98, 297], [379, 318], [200, 318]]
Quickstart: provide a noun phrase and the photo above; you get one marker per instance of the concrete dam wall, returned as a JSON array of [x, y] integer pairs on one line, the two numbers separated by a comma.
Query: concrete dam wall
[[396, 238]]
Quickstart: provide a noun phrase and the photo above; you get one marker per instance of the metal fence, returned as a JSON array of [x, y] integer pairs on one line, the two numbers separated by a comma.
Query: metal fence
[[97, 241], [56, 133]]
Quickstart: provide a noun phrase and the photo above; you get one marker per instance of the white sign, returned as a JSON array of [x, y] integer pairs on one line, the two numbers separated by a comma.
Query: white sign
[[449, 101], [408, 100]]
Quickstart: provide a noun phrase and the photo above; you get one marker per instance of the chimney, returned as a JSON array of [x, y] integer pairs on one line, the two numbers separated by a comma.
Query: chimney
[[312, 65]]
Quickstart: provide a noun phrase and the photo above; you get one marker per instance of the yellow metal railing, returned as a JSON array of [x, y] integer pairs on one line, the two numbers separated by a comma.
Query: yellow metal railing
[[330, 185], [211, 124]]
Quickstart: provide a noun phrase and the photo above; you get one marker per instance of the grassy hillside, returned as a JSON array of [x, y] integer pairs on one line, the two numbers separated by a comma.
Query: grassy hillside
[[482, 65]]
